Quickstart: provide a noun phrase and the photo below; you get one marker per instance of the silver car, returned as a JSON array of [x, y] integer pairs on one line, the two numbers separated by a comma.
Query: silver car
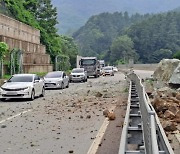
[[22, 86], [108, 71], [78, 74], [56, 79]]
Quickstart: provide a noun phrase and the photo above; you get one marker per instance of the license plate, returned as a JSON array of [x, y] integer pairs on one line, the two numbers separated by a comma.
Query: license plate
[[49, 84], [11, 93]]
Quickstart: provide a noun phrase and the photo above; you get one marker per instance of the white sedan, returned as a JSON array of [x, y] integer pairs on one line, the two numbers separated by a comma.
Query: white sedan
[[22, 86], [56, 79], [78, 74]]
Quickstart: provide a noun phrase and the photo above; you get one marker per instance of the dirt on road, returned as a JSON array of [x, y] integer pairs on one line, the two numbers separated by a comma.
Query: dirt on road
[[64, 121]]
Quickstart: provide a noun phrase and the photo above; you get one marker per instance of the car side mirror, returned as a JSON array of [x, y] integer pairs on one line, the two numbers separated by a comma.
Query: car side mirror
[[5, 81], [35, 81]]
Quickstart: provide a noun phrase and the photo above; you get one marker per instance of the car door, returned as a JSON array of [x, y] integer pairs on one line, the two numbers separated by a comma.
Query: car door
[[37, 85], [65, 79]]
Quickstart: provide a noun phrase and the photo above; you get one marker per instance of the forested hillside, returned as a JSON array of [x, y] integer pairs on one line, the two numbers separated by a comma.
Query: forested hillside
[[96, 37], [156, 38], [73, 14], [42, 15], [117, 37]]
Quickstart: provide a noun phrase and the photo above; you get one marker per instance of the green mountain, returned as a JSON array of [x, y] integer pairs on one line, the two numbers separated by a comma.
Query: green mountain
[[119, 36], [72, 14]]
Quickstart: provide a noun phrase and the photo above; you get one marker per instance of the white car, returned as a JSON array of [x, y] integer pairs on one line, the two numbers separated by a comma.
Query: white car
[[115, 69], [78, 74], [108, 70], [56, 80], [22, 86]]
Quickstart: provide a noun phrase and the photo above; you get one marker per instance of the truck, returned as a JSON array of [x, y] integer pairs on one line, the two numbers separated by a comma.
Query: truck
[[102, 63], [91, 65]]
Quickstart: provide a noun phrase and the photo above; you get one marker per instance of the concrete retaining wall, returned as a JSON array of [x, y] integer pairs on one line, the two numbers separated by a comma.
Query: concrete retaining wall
[[18, 30], [21, 36], [23, 45], [37, 68]]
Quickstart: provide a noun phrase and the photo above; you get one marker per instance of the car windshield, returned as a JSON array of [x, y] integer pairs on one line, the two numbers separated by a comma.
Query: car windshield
[[54, 75], [108, 68], [77, 70], [88, 61], [21, 79]]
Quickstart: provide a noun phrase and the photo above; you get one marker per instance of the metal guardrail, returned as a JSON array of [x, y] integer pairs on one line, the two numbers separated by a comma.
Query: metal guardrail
[[142, 132]]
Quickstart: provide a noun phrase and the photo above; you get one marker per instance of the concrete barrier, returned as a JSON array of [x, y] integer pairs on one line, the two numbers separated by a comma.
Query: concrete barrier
[[151, 67]]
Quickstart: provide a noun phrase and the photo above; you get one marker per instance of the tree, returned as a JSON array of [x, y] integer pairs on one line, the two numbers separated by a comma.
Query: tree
[[158, 55], [177, 55], [3, 51], [42, 15], [122, 48]]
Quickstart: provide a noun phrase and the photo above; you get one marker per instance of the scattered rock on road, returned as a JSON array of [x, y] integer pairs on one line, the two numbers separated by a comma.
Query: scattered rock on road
[[111, 116]]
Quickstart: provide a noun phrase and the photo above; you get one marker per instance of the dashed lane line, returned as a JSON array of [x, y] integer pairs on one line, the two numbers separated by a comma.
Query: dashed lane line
[[12, 117]]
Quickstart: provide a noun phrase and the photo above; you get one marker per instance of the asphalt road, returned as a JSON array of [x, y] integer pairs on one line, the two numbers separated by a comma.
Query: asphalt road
[[64, 121]]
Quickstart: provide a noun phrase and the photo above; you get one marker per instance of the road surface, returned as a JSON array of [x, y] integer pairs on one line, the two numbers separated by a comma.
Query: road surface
[[64, 121]]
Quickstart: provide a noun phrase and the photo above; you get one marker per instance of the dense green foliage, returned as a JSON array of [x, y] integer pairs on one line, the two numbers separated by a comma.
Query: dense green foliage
[[122, 47], [42, 15], [177, 55], [3, 50], [149, 38], [96, 37], [74, 13], [157, 37]]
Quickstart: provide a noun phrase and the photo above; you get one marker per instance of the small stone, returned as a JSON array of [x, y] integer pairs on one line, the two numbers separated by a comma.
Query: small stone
[[98, 94], [105, 112], [3, 126], [71, 151], [88, 117], [111, 116]]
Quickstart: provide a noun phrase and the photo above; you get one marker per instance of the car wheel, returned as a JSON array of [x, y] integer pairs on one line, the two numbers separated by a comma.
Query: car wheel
[[67, 85], [3, 99], [43, 92], [86, 80], [32, 95], [62, 85]]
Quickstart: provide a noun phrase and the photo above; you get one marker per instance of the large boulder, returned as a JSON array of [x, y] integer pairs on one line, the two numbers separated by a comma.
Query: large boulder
[[169, 126], [175, 78], [165, 69]]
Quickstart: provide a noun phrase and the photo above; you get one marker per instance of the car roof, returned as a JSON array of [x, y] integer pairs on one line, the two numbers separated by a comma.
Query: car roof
[[78, 68], [89, 58], [56, 72], [24, 74]]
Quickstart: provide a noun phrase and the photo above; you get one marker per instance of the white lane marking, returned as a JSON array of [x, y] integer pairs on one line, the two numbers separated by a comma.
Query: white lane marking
[[12, 117], [94, 146]]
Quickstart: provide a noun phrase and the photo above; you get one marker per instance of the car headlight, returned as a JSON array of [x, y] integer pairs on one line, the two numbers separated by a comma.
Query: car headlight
[[1, 89], [59, 81], [25, 88]]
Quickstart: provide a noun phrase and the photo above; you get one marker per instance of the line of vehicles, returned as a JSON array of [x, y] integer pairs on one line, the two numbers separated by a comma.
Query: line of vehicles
[[31, 85]]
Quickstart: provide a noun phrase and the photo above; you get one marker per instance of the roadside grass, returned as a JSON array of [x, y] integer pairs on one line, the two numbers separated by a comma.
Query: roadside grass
[[149, 81], [126, 90], [6, 76]]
